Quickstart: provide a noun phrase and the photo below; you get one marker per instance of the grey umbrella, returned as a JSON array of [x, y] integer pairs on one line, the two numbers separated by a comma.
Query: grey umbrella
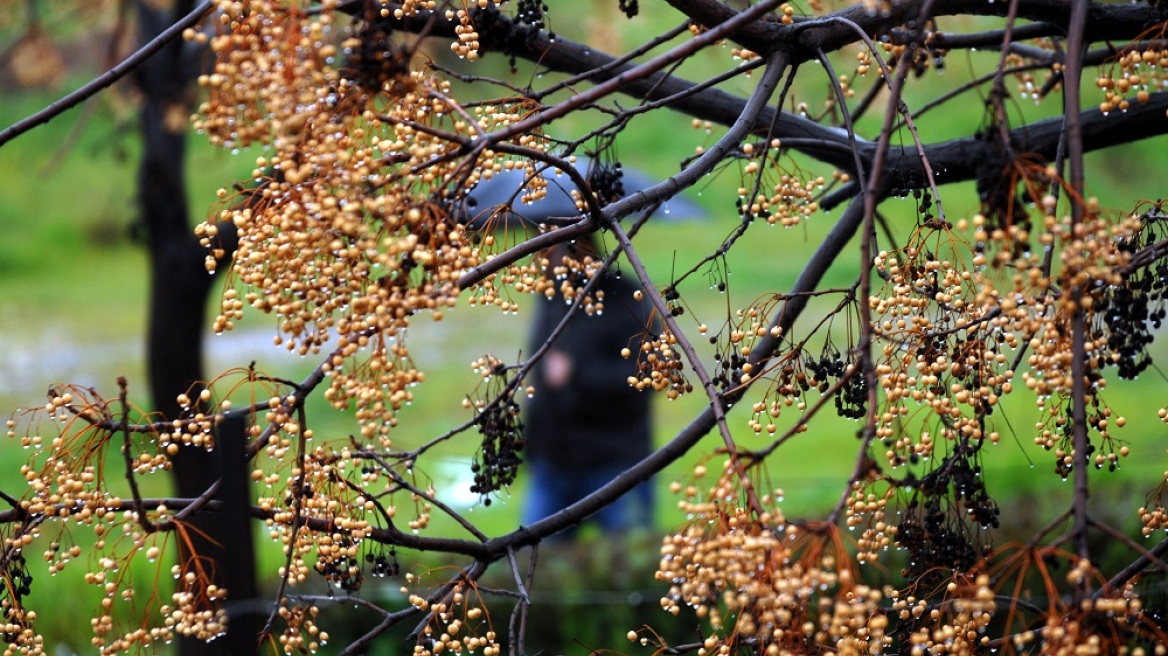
[[498, 201]]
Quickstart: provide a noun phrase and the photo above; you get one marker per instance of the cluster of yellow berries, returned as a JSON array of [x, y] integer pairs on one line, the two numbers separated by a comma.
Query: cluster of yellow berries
[[1129, 78], [195, 428], [67, 480], [1133, 76], [956, 625], [270, 72], [1095, 626], [197, 611], [941, 324], [344, 235], [301, 634], [1153, 514], [758, 579], [568, 279], [455, 625], [868, 509], [20, 636], [950, 325], [314, 489], [467, 42], [791, 198], [660, 366]]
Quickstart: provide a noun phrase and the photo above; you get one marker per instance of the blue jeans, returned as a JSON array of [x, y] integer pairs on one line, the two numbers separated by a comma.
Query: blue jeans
[[551, 489]]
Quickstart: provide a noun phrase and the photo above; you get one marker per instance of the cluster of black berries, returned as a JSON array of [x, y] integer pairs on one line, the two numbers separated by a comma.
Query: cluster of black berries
[[852, 399], [961, 473], [344, 571], [934, 544], [830, 364], [997, 180], [923, 57], [916, 37], [19, 586], [790, 378], [905, 184], [606, 183], [382, 565], [1133, 310], [939, 540], [531, 12], [375, 59], [673, 300], [970, 489], [498, 460], [728, 370], [1127, 315], [630, 7]]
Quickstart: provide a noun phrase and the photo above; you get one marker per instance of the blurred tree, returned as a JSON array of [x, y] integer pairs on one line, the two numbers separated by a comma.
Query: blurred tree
[[353, 226], [179, 290]]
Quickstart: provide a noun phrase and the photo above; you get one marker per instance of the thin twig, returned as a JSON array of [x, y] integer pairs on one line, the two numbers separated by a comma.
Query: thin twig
[[1072, 99], [299, 482], [1115, 533], [776, 66], [709, 37], [518, 624], [128, 460], [107, 78], [470, 573], [1137, 566]]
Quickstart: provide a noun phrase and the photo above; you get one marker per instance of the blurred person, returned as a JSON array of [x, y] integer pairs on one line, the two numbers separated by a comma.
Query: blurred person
[[586, 424]]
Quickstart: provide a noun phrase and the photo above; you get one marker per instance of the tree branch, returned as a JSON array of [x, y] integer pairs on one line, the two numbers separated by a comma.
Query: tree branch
[[107, 78]]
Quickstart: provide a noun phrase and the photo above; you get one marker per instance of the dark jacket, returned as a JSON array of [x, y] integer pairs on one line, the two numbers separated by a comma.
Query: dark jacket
[[596, 417]]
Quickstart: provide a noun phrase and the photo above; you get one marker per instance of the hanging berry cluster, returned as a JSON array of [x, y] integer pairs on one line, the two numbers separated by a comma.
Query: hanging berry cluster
[[606, 180], [852, 399], [660, 366], [950, 330], [456, 623], [532, 13], [16, 628], [374, 62], [500, 425], [792, 371], [381, 563], [1131, 312], [343, 569], [762, 582], [935, 527], [340, 235], [501, 452], [1136, 72], [784, 197]]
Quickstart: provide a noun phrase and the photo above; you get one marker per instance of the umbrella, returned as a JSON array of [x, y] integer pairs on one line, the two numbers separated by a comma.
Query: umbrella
[[499, 199]]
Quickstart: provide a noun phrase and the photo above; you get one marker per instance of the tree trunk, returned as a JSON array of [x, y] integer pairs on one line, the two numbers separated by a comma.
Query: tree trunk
[[179, 286]]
